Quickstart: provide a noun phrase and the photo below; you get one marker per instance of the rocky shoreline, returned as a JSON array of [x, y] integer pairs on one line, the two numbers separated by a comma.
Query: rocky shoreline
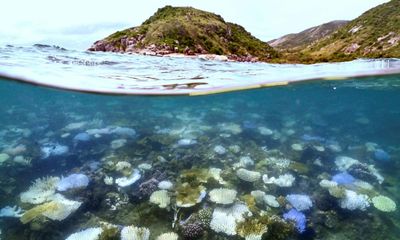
[[128, 46]]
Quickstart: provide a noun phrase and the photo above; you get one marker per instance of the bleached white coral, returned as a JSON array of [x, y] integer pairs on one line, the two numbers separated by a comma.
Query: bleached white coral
[[271, 201], [87, 234], [65, 207], [297, 147], [216, 174], [40, 191], [225, 219], [230, 127], [8, 211], [353, 201], [165, 185], [363, 185], [254, 236], [122, 165], [145, 166], [301, 202], [246, 161], [3, 157], [168, 236], [327, 183], [135, 233], [118, 143], [375, 172], [222, 195], [258, 196], [285, 180], [219, 149], [248, 176], [343, 163], [127, 181], [108, 180], [265, 131], [279, 163], [160, 198], [384, 204]]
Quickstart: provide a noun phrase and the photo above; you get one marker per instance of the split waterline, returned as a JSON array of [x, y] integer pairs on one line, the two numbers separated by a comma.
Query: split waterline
[[313, 160]]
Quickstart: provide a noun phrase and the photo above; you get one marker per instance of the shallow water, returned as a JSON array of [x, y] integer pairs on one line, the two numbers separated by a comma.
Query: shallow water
[[326, 119], [147, 75]]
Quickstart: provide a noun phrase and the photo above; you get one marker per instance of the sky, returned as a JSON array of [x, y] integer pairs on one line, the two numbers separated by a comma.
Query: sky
[[76, 24]]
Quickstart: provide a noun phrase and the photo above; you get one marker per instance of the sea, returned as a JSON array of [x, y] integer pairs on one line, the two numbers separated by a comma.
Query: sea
[[117, 146]]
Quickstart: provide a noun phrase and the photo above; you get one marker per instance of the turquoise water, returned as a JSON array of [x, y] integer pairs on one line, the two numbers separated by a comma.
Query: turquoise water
[[298, 130]]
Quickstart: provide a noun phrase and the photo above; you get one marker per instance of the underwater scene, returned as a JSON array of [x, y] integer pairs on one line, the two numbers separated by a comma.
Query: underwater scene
[[317, 160]]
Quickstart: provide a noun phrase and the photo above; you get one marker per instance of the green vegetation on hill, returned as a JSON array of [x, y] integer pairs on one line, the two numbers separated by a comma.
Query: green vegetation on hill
[[190, 31], [306, 37], [374, 34]]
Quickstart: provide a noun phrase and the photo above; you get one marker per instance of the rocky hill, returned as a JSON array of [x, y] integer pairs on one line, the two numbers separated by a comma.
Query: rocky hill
[[374, 34], [189, 31], [307, 36]]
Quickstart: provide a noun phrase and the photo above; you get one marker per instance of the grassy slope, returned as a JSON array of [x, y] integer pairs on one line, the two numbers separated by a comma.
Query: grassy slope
[[185, 27], [373, 24], [307, 36]]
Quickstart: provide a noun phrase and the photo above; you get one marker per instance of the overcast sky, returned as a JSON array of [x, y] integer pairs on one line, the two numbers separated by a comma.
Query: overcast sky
[[76, 24]]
